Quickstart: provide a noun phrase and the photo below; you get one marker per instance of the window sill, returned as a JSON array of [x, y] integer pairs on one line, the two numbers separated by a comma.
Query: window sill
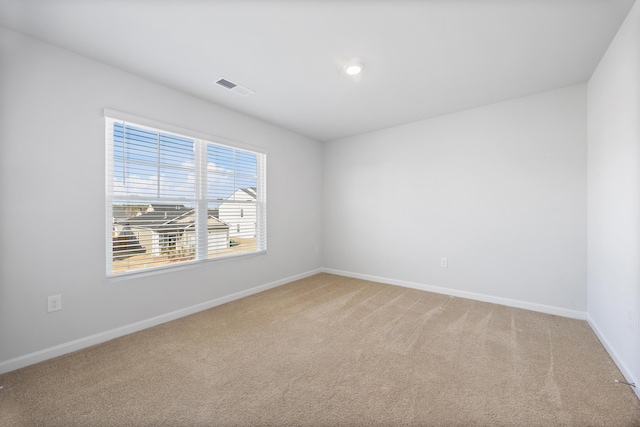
[[110, 278]]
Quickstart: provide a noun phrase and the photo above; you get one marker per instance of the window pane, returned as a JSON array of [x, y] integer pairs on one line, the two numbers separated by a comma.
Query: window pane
[[151, 234], [246, 163], [176, 151], [176, 183], [149, 163]]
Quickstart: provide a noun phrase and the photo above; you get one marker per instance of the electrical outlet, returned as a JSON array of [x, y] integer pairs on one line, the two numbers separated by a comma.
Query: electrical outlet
[[444, 262], [54, 303], [631, 320]]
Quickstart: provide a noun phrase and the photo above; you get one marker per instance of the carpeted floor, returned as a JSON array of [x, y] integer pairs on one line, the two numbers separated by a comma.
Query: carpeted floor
[[333, 351]]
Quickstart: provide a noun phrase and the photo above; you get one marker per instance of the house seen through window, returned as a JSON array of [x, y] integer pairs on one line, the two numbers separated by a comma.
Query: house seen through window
[[172, 199]]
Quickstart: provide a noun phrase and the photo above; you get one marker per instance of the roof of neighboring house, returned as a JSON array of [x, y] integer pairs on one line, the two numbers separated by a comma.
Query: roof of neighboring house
[[239, 193], [170, 217], [160, 215], [250, 191], [118, 212], [156, 207], [212, 224], [188, 220]]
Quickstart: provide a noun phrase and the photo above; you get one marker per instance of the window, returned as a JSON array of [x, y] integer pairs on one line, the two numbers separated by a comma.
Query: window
[[174, 199]]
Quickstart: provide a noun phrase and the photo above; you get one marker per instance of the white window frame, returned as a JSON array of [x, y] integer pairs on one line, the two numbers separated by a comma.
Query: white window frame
[[201, 201]]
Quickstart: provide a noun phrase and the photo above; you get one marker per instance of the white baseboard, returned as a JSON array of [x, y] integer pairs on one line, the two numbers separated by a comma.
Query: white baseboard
[[549, 309], [619, 363], [78, 344]]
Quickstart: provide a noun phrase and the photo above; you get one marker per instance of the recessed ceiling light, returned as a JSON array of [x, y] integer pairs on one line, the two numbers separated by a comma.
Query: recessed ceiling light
[[353, 69]]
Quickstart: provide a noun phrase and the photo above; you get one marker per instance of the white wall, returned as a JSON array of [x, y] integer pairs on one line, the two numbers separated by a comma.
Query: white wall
[[499, 190], [614, 196], [52, 191]]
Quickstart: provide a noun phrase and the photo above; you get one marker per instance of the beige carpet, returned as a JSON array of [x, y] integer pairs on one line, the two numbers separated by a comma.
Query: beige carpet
[[333, 351]]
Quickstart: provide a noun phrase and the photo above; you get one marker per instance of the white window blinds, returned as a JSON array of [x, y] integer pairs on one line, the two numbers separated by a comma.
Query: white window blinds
[[175, 199]]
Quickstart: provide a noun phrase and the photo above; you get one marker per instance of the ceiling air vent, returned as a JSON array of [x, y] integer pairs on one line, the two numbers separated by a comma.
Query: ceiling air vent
[[233, 87]]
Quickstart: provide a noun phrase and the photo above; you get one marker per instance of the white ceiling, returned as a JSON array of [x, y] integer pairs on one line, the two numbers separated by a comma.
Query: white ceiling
[[422, 58]]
